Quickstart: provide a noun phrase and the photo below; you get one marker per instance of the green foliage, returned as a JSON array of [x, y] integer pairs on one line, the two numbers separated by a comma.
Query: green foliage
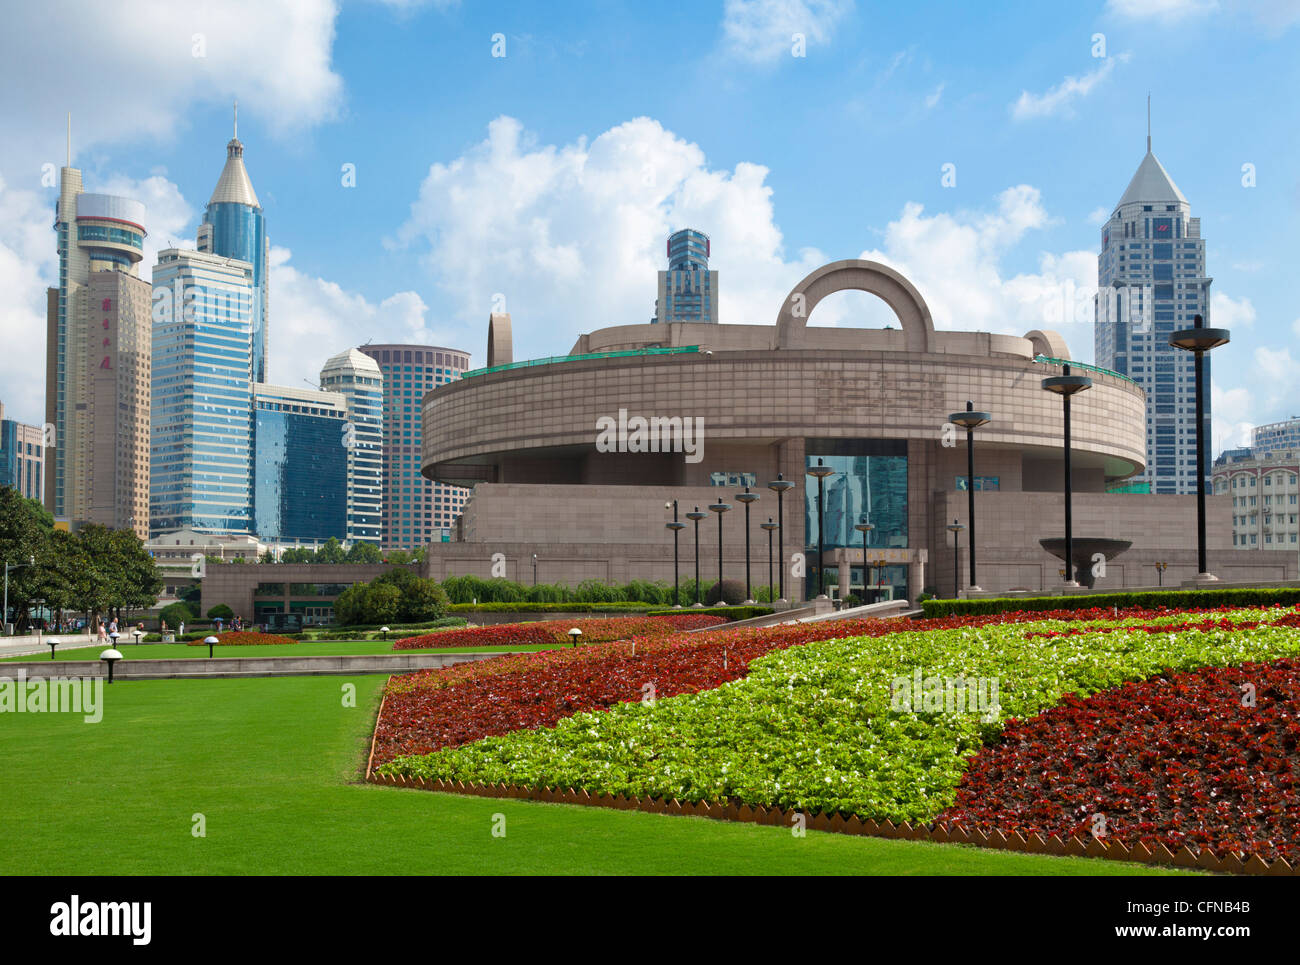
[[363, 552], [174, 613], [1174, 599], [730, 612], [221, 611], [398, 595], [331, 551], [729, 591]]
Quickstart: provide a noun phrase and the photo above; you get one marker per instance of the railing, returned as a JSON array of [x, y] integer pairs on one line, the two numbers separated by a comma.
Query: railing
[[551, 360], [1081, 365]]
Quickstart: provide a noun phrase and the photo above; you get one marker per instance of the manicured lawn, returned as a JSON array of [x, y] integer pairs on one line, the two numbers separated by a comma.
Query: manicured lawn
[[273, 766], [307, 648]]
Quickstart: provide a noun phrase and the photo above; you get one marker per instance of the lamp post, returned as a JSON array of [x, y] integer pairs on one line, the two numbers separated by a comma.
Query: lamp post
[[575, 635], [770, 527], [110, 657], [137, 633], [695, 516], [955, 528], [719, 508], [534, 569], [820, 472], [52, 644], [4, 614], [970, 420], [864, 528], [211, 642], [1160, 572], [747, 497], [779, 485], [1066, 386], [676, 526], [384, 631], [1200, 340]]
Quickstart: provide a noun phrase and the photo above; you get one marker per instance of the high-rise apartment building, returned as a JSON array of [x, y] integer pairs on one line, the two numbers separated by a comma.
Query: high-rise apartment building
[[1265, 491], [416, 510], [234, 225], [22, 456], [299, 465], [202, 433], [1275, 437], [1152, 280], [688, 291], [357, 377], [97, 362]]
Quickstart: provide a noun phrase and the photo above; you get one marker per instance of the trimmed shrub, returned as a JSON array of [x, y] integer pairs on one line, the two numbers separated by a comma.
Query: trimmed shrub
[[729, 591], [1171, 599], [173, 614], [221, 611]]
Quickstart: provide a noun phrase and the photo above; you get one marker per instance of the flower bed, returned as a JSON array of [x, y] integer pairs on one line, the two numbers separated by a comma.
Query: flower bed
[[556, 632], [1206, 759], [810, 727], [245, 638]]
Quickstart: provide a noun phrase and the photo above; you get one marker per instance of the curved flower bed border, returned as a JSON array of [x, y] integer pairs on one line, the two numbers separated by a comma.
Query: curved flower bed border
[[246, 638], [556, 632]]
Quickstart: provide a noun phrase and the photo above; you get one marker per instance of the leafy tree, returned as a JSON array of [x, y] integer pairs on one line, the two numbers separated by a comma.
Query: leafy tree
[[423, 600], [399, 557], [363, 552], [174, 614], [298, 554], [330, 552], [221, 610], [350, 606], [383, 603]]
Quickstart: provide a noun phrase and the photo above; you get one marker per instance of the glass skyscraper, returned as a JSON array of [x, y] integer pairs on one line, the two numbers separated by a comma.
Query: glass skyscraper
[[416, 510], [201, 474], [235, 226], [1152, 280], [688, 291], [357, 378], [300, 485]]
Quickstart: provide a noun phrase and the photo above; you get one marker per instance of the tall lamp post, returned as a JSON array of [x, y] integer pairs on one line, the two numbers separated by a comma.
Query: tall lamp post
[[676, 526], [1160, 572], [820, 472], [864, 528], [534, 569], [747, 497], [695, 516], [955, 528], [770, 527], [779, 485], [1067, 386], [4, 614], [1200, 340], [719, 508], [970, 420]]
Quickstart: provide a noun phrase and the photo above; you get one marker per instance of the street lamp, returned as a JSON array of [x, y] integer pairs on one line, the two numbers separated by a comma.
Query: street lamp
[[769, 526], [676, 526], [970, 420], [110, 657], [820, 472], [695, 516], [534, 569], [4, 614], [719, 508], [1200, 340], [747, 497], [384, 631], [1160, 572], [1066, 386], [955, 528], [52, 645], [211, 642], [864, 528], [779, 485], [113, 636]]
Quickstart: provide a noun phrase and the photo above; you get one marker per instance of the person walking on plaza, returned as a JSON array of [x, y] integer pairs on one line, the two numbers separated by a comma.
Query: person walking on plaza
[[102, 636], [181, 632]]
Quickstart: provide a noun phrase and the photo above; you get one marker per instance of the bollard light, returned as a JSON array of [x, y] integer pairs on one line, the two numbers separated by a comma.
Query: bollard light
[[137, 634], [211, 642], [575, 635], [110, 657], [52, 645]]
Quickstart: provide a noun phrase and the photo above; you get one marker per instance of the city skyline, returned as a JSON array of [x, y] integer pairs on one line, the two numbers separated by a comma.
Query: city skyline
[[1037, 140]]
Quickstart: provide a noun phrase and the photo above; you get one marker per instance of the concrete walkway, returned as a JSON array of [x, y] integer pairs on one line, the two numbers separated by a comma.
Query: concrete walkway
[[203, 667]]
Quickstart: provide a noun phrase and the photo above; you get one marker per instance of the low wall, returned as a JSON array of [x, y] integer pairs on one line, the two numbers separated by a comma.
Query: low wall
[[198, 667]]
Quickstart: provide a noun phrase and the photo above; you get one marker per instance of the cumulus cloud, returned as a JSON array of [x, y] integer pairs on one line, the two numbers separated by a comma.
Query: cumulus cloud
[[1165, 10], [1230, 418], [1060, 99], [761, 31], [28, 262], [1229, 312]]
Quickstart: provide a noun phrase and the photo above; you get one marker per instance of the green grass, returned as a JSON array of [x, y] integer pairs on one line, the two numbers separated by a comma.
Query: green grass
[[273, 766], [307, 648]]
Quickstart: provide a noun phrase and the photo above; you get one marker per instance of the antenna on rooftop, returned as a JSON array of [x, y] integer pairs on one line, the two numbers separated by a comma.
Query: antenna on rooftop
[[237, 117], [69, 164], [1148, 122]]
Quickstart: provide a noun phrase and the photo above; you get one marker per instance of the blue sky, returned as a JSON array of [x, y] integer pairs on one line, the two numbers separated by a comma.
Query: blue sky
[[550, 176]]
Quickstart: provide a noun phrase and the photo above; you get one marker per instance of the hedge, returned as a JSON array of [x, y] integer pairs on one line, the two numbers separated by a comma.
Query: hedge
[[551, 607], [730, 612], [1172, 599]]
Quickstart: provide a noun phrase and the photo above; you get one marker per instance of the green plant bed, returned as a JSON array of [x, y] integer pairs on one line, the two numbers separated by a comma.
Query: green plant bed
[[275, 777], [730, 612], [1173, 599]]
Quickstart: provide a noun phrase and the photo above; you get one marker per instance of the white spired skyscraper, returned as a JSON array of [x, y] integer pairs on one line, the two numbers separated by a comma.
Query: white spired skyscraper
[[1152, 280], [357, 377]]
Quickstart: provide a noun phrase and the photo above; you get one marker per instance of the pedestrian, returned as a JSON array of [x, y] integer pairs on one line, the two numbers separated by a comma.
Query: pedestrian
[[112, 625], [182, 629], [102, 636]]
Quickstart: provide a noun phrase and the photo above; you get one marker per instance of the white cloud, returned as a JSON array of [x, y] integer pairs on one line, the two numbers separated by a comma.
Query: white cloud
[[572, 236], [312, 319], [1165, 10], [1227, 312], [761, 31], [27, 264], [1098, 216], [1295, 327], [932, 99], [1230, 418], [1060, 99]]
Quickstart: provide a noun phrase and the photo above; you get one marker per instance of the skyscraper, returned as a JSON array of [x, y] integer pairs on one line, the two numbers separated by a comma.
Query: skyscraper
[[202, 444], [1152, 280], [688, 291], [299, 465], [97, 361], [22, 457], [235, 226], [416, 510], [358, 378]]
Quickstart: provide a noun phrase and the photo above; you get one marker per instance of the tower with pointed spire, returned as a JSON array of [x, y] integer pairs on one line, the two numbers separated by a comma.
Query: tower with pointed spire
[[1151, 281], [234, 225]]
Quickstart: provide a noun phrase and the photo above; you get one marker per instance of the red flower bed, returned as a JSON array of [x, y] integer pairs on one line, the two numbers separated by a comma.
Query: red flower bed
[[432, 709], [556, 632], [1177, 759], [246, 638]]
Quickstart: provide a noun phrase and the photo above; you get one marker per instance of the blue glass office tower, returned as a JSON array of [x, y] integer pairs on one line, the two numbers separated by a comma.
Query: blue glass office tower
[[201, 456], [300, 484], [235, 226], [688, 291]]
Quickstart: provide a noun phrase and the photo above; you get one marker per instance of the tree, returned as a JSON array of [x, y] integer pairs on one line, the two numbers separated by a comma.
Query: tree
[[331, 552], [398, 557], [26, 530], [423, 600], [221, 610], [174, 614], [383, 603], [363, 552]]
